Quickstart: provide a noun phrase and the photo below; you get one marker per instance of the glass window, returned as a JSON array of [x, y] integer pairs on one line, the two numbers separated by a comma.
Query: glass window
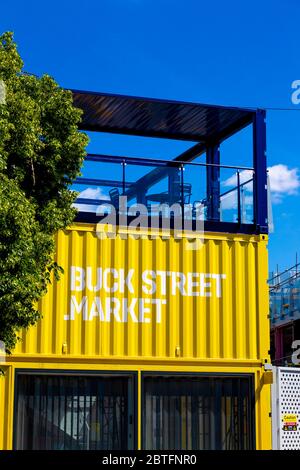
[[197, 412], [74, 412]]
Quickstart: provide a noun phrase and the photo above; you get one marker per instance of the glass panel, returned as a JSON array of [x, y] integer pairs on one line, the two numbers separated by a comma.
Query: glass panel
[[236, 199], [104, 184], [197, 413], [194, 189], [79, 413], [208, 192], [155, 187], [228, 196], [246, 191]]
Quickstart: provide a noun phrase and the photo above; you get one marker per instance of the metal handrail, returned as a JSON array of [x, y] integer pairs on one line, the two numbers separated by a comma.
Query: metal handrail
[[163, 165], [155, 161]]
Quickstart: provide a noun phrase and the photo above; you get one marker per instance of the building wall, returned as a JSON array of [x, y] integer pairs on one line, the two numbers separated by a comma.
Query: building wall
[[205, 312]]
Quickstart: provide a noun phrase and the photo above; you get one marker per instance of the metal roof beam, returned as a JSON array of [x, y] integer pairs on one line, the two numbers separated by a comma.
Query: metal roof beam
[[138, 133]]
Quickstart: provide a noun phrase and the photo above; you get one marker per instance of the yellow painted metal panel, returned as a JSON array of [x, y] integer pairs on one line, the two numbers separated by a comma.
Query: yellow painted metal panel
[[262, 412], [262, 391], [155, 298], [6, 407]]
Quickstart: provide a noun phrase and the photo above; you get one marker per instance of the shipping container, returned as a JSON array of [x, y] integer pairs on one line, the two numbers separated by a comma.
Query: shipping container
[[154, 298], [153, 338]]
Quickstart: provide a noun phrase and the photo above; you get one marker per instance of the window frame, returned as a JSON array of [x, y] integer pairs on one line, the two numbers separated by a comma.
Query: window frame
[[218, 375], [79, 373]]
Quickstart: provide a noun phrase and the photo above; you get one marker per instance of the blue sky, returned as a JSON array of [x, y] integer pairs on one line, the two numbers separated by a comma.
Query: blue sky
[[232, 53]]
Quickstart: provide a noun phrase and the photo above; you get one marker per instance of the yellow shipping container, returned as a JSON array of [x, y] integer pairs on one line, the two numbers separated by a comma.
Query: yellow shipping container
[[164, 304], [155, 298]]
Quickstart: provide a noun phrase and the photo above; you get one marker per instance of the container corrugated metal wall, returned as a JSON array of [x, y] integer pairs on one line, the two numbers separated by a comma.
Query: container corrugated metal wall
[[206, 303], [6, 406]]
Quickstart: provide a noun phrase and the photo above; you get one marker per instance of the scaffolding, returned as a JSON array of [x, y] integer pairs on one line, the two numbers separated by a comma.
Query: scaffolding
[[284, 290], [285, 296]]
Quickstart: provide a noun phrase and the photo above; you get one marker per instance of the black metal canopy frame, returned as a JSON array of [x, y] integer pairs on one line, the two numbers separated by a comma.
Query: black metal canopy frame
[[207, 125]]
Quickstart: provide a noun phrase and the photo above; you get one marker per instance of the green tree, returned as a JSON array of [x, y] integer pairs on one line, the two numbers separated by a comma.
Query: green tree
[[41, 153]]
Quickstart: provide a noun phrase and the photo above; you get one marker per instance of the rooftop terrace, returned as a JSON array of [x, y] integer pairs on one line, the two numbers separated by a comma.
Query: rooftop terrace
[[228, 197]]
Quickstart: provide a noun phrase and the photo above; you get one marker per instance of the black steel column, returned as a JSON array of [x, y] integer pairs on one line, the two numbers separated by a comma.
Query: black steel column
[[213, 183], [260, 171]]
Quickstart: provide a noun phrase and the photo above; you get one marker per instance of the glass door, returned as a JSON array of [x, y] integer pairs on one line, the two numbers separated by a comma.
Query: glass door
[[185, 412], [74, 412]]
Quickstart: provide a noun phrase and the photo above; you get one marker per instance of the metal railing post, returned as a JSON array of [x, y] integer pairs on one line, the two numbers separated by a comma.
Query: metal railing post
[[182, 194], [123, 176], [239, 219]]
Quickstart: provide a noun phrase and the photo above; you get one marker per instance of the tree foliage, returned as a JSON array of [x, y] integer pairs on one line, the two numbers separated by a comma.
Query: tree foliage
[[41, 153]]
